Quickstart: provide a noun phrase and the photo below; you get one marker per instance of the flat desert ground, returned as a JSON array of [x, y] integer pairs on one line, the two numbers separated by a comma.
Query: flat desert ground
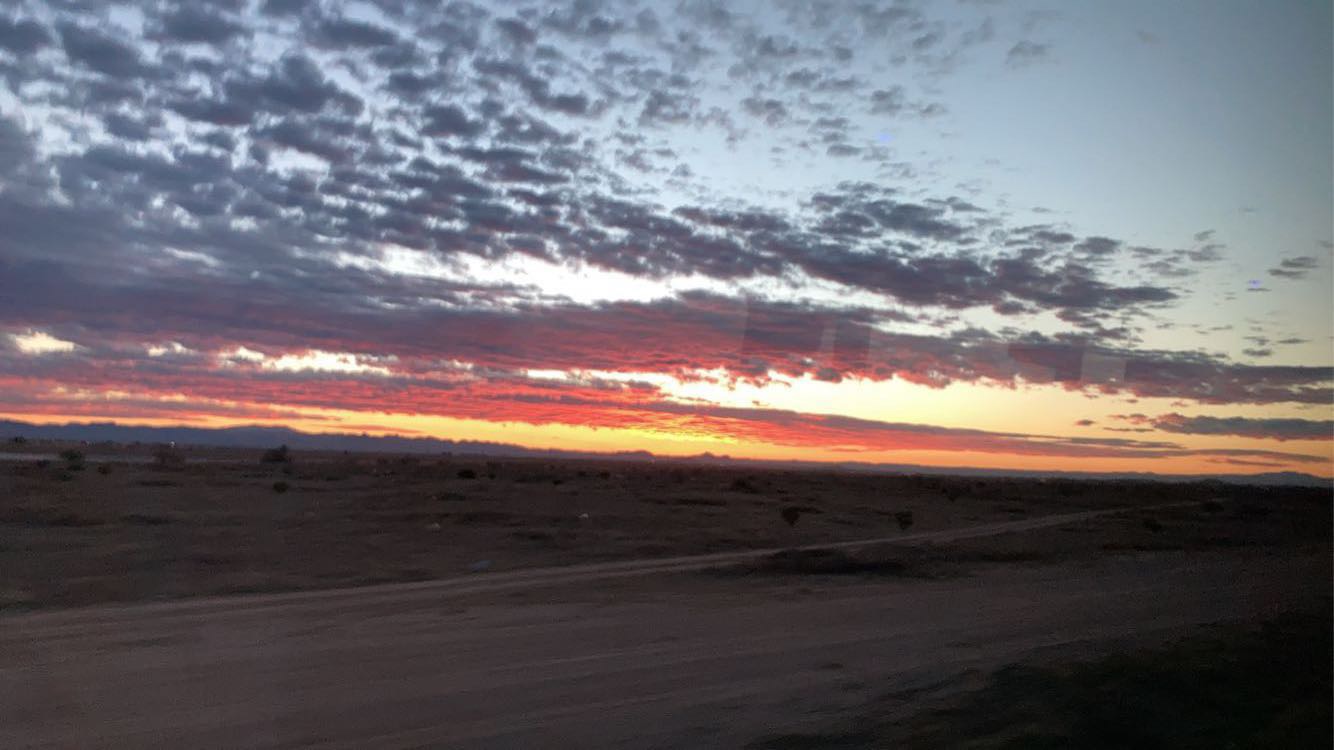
[[363, 601]]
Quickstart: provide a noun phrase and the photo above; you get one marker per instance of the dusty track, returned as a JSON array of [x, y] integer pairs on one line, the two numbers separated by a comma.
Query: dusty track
[[407, 666], [539, 577]]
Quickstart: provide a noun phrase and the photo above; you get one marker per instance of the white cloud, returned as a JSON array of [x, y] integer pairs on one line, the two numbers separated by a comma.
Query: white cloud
[[40, 342]]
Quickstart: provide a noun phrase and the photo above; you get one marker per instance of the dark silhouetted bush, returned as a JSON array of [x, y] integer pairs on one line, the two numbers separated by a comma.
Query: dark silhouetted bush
[[467, 474], [104, 469], [279, 455], [742, 484], [72, 457], [791, 514], [280, 486], [1153, 524], [168, 456], [904, 519]]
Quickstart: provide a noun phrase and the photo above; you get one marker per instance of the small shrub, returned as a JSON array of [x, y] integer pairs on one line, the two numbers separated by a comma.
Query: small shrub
[[104, 469], [72, 457], [279, 455], [19, 440], [904, 519], [167, 456], [1153, 524], [1212, 506], [791, 515], [742, 484], [280, 486], [467, 474]]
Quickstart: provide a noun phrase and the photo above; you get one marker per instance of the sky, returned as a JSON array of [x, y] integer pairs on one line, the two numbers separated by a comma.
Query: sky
[[1040, 235]]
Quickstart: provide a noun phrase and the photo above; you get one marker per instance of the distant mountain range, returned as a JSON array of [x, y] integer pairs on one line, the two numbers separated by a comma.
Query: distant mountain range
[[268, 437]]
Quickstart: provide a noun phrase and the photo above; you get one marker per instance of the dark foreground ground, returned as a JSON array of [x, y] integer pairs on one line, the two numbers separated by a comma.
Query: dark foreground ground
[[527, 603]]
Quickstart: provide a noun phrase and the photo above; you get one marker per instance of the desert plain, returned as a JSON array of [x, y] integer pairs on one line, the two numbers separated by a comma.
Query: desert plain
[[212, 597]]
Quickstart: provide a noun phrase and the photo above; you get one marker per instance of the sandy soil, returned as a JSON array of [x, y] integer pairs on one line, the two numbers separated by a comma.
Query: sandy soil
[[581, 666], [71, 536], [664, 619]]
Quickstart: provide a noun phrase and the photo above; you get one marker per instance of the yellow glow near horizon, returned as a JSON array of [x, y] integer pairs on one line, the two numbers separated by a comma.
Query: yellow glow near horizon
[[618, 439]]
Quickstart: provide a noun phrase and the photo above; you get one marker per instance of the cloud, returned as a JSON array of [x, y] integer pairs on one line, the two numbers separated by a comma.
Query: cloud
[[401, 181], [585, 402], [194, 23], [101, 53], [1260, 428], [23, 36], [697, 331], [345, 32], [1026, 53], [1295, 268]]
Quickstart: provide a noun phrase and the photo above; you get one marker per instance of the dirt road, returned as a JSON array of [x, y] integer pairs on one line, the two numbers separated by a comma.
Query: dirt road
[[575, 663]]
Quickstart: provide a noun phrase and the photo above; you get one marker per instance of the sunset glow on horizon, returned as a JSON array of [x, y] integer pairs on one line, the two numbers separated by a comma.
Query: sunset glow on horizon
[[1026, 236]]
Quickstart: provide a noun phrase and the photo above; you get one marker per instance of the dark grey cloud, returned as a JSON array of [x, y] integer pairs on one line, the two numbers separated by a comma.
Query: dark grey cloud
[[449, 120], [130, 127], [443, 129], [381, 314], [197, 23], [537, 87], [668, 107], [101, 53], [315, 137], [889, 101], [341, 32], [285, 7], [1026, 52], [15, 146], [516, 30], [23, 36], [1261, 428], [1295, 268]]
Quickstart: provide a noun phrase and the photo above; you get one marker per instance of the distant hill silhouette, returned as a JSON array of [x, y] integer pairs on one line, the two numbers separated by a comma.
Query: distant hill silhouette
[[267, 437]]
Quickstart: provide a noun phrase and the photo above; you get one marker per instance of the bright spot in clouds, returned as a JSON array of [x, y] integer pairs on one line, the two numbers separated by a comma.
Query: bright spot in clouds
[[40, 342]]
